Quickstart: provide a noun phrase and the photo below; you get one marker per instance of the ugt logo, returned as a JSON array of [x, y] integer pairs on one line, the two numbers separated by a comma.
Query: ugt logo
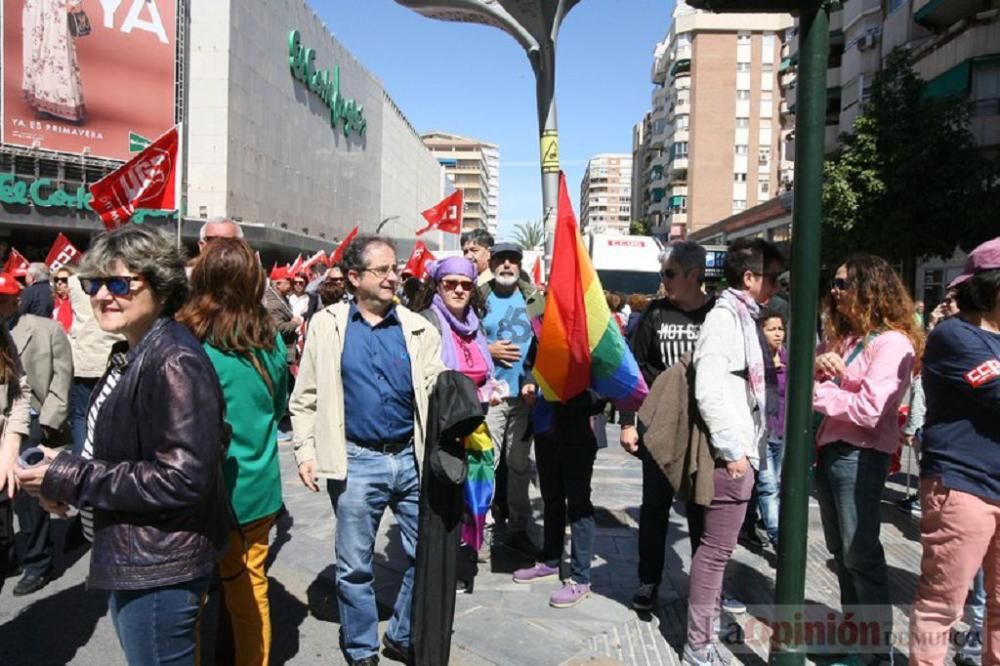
[[146, 178]]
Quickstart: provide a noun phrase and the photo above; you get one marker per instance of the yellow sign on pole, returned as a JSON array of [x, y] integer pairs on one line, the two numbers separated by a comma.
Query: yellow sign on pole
[[550, 151]]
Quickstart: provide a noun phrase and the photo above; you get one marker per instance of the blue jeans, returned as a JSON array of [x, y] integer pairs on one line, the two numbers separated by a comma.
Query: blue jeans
[[374, 481], [157, 626], [79, 402], [769, 487], [977, 607], [849, 483]]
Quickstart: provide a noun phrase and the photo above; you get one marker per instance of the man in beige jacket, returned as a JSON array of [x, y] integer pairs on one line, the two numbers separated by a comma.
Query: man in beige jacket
[[367, 442]]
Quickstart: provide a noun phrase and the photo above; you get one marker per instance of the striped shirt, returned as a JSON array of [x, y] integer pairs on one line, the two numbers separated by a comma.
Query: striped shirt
[[109, 384]]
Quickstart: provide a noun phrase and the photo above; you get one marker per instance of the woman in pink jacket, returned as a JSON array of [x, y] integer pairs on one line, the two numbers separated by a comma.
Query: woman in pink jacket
[[869, 349]]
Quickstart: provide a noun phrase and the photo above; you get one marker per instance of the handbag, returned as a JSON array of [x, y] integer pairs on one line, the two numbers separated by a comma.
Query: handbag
[[79, 24]]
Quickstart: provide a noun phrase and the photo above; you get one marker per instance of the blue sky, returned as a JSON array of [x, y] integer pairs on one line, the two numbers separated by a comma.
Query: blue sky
[[475, 80]]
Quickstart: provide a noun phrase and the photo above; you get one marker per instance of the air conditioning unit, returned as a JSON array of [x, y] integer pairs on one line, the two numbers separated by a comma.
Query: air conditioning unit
[[866, 41]]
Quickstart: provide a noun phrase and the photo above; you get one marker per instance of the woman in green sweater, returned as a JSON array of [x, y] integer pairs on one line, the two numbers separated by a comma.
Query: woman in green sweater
[[226, 313]]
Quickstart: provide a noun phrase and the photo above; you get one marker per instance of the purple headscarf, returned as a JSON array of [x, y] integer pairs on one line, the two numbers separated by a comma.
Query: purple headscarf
[[451, 266], [438, 270]]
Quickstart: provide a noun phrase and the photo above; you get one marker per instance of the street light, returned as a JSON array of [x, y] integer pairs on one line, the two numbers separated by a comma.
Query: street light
[[384, 222], [807, 213], [535, 25]]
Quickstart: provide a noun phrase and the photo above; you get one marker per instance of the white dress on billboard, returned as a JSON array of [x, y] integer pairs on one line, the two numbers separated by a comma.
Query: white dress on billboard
[[51, 77]]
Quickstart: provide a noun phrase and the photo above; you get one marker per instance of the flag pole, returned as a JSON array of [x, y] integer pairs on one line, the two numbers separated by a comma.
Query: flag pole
[[179, 182]]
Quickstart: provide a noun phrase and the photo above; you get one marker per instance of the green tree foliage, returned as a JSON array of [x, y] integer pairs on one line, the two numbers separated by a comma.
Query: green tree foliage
[[530, 235], [909, 181], [640, 228]]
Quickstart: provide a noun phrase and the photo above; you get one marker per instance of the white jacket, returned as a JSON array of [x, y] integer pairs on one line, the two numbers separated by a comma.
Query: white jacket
[[724, 399]]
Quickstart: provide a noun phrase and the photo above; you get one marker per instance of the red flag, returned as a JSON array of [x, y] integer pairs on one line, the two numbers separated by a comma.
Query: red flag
[[145, 181], [338, 254], [416, 265], [16, 264], [296, 266], [62, 253], [536, 271], [446, 215], [319, 257]]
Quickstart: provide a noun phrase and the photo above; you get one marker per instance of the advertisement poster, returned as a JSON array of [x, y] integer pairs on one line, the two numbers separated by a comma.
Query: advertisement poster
[[85, 76]]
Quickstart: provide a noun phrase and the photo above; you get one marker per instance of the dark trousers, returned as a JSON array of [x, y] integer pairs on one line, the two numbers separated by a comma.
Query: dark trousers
[[654, 520], [565, 468], [6, 536], [79, 402], [35, 523]]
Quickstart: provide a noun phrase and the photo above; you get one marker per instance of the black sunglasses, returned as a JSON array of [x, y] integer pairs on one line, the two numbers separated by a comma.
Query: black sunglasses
[[118, 285], [840, 284], [62, 280]]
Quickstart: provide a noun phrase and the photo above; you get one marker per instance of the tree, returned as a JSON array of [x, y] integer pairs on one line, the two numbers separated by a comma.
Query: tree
[[640, 228], [529, 235], [909, 182]]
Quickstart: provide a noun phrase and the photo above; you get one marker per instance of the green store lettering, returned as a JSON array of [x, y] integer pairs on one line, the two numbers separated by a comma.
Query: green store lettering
[[326, 86], [43, 193]]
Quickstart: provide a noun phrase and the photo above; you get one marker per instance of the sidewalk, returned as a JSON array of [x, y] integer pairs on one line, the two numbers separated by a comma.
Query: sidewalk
[[508, 623]]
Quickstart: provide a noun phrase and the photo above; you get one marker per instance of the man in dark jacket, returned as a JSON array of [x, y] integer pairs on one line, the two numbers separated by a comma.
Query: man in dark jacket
[[37, 298]]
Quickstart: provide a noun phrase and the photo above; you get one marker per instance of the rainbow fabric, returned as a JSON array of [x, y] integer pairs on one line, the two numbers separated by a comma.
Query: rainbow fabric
[[580, 345], [478, 485]]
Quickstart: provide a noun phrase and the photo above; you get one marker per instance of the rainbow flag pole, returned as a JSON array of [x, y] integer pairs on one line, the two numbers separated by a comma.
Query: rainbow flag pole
[[580, 345]]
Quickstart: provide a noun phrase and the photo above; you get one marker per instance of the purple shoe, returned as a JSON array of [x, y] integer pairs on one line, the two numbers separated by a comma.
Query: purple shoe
[[540, 571], [570, 595]]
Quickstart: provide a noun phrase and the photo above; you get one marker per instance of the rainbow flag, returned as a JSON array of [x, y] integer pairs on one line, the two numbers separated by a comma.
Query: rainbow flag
[[580, 345]]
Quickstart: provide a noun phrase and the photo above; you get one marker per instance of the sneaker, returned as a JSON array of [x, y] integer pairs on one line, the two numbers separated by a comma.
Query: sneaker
[[971, 651], [30, 584], [396, 651], [731, 605], [540, 571], [520, 541], [569, 595], [646, 597], [706, 656]]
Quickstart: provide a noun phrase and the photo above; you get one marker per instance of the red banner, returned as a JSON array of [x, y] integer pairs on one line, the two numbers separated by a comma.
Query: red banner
[[536, 271], [318, 258], [338, 254], [446, 215], [16, 264], [62, 253], [416, 265], [145, 181]]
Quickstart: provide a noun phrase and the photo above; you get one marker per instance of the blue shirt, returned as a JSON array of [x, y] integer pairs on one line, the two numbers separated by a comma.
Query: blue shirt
[[507, 319], [961, 436], [378, 386]]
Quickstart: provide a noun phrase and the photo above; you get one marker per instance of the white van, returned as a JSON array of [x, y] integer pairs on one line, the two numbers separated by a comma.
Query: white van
[[626, 264]]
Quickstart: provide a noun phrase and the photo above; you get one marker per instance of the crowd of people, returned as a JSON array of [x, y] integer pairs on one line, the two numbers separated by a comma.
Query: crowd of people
[[143, 396]]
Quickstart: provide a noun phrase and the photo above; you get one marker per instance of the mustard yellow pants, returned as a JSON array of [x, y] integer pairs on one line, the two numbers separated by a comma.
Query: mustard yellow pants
[[245, 593]]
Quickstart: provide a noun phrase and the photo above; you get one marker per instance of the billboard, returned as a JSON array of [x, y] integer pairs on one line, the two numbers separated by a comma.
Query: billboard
[[82, 77]]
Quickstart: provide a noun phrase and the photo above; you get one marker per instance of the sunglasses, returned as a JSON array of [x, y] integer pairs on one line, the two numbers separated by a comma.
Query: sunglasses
[[451, 284], [840, 284], [335, 280], [62, 280], [299, 282], [117, 285]]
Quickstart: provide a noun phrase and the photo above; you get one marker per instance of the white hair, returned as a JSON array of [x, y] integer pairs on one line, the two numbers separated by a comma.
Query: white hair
[[219, 220], [37, 271]]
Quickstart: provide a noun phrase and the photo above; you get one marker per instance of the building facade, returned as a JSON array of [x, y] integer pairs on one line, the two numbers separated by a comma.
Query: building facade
[[474, 168], [714, 135], [606, 194]]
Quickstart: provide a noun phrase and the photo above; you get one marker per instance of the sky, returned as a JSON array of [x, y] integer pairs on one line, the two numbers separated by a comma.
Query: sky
[[475, 81]]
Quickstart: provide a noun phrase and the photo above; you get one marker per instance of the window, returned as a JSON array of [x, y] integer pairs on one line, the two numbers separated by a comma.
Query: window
[[682, 121], [743, 38], [742, 67], [764, 155], [767, 67], [765, 123], [765, 96], [743, 121], [743, 94], [680, 149], [763, 186], [739, 204], [739, 178], [741, 149], [767, 42]]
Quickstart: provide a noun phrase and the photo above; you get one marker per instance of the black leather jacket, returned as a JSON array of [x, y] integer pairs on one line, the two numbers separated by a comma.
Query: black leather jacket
[[155, 484]]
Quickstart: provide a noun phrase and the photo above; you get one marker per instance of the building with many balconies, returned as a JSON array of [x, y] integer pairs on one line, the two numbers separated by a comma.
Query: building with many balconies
[[606, 194], [474, 167]]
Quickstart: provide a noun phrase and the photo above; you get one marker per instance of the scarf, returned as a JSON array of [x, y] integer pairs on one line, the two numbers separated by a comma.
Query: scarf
[[746, 311], [465, 329]]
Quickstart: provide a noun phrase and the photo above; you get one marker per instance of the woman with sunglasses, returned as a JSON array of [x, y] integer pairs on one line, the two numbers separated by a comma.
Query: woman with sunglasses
[[148, 480], [451, 302], [226, 312], [870, 344]]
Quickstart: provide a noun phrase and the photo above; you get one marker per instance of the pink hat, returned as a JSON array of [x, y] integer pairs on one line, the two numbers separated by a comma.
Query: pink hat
[[985, 257], [9, 286]]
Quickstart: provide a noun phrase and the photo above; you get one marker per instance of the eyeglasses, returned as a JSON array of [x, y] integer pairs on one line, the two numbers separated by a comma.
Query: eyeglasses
[[302, 282], [451, 284], [62, 280], [382, 272], [336, 280], [668, 273], [840, 284], [117, 285]]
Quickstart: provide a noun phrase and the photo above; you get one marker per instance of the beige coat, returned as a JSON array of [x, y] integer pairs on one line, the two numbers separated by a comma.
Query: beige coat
[[91, 345], [15, 418], [317, 403], [48, 361]]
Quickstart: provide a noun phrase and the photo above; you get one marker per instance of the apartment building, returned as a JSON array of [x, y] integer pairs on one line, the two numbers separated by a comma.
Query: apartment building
[[606, 194], [641, 158], [474, 167], [714, 138]]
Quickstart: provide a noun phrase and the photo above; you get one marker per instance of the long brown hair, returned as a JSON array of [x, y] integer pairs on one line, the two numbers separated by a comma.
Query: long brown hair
[[225, 307], [878, 302], [10, 365]]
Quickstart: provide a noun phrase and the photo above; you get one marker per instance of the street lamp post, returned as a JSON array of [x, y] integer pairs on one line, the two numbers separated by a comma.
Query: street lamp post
[[535, 25]]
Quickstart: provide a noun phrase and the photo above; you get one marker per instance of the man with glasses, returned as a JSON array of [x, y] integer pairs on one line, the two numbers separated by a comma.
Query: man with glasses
[[365, 442], [218, 227], [48, 363], [512, 304]]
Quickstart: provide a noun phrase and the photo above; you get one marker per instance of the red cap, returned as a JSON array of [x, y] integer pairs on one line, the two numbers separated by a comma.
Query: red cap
[[9, 286], [279, 273], [985, 257]]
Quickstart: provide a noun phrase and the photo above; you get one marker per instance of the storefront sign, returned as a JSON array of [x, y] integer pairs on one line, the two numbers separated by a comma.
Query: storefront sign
[[43, 193], [326, 86]]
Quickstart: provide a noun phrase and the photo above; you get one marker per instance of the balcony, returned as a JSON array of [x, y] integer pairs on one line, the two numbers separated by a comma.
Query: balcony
[[678, 168], [680, 66], [943, 13]]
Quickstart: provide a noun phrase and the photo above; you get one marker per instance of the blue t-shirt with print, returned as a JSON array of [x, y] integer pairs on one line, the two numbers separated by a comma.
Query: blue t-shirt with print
[[507, 319]]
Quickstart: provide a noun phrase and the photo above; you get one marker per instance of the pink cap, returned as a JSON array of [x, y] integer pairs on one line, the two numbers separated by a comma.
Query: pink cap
[[985, 257]]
